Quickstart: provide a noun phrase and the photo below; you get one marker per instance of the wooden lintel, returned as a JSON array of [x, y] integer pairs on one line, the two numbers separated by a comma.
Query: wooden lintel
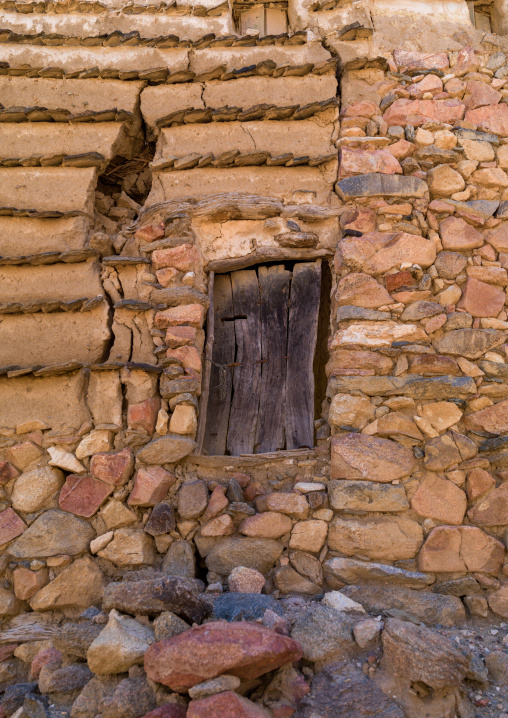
[[266, 254]]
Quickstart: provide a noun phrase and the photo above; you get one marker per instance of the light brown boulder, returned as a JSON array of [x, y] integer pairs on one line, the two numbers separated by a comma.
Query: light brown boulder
[[362, 291], [309, 535], [355, 456], [379, 252], [493, 509], [348, 410], [439, 499], [459, 236], [377, 334], [294, 504], [481, 299], [266, 525], [493, 419], [441, 414], [129, 547], [462, 549], [444, 181], [498, 601], [79, 586], [121, 644], [35, 490], [384, 538]]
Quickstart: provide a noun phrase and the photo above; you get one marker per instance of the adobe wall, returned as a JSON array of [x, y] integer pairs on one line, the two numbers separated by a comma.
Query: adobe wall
[[390, 160]]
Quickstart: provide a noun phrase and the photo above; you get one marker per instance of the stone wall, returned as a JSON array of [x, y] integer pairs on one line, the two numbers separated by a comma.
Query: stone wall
[[133, 164]]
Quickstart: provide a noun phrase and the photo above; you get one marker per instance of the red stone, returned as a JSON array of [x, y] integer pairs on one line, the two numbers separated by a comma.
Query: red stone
[[360, 109], [481, 299], [27, 583], [414, 60], [418, 112], [180, 336], [11, 526], [430, 83], [467, 61], [479, 94], [113, 467], [168, 710], [479, 482], [189, 356], [225, 705], [400, 280], [151, 485], [433, 365], [493, 118], [359, 162], [492, 510], [150, 232], [7, 472], [143, 416], [44, 658], [185, 258], [83, 495], [7, 651], [360, 220], [253, 490], [246, 650]]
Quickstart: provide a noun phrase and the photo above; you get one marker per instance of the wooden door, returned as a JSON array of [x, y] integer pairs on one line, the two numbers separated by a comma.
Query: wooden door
[[261, 390]]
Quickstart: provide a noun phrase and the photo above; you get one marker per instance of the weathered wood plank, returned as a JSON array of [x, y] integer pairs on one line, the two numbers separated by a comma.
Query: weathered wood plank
[[266, 254], [274, 290], [302, 333], [205, 388], [247, 375], [219, 401]]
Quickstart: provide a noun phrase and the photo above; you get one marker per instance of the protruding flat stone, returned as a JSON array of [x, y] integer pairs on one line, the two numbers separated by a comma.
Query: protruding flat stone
[[375, 184]]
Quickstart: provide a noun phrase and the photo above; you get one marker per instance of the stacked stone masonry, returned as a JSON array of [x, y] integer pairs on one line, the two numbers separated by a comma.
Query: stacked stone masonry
[[145, 149]]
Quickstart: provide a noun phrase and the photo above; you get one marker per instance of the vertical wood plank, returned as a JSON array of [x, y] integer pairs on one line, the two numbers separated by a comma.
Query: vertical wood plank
[[205, 388], [217, 415], [274, 291], [302, 333], [247, 375]]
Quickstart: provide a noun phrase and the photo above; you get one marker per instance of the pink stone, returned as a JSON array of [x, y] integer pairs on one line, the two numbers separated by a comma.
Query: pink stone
[[7, 650], [492, 118], [360, 109], [189, 356], [467, 61], [83, 495], [151, 485], [458, 235], [185, 258], [7, 472], [460, 549], [166, 276], [435, 323], [217, 503], [362, 290], [27, 583], [11, 526], [401, 149], [358, 162], [439, 499], [479, 482], [180, 336], [220, 526], [481, 299], [498, 237], [114, 467], [479, 94], [491, 510], [360, 219], [143, 416], [191, 314], [418, 112], [150, 232], [44, 658], [225, 705], [269, 524], [430, 83], [414, 60]]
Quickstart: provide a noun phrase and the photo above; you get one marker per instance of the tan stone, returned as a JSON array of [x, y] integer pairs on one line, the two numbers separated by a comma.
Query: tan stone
[[377, 334], [121, 644], [490, 177], [309, 535], [479, 482], [27, 583], [379, 252], [479, 151], [24, 454], [493, 419], [391, 539], [116, 515], [65, 460], [462, 549], [36, 490], [129, 547], [481, 299], [347, 410], [219, 526], [444, 181], [294, 505], [95, 442], [65, 282], [266, 525], [105, 397], [183, 420], [245, 580], [491, 510], [441, 414], [498, 601], [397, 424], [362, 291], [458, 235], [355, 456], [439, 499], [77, 587]]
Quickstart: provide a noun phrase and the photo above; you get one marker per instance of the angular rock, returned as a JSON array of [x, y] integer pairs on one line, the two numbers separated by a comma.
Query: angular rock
[[293, 504], [179, 560], [76, 638], [120, 645], [347, 410], [53, 679], [151, 485], [372, 185], [52, 533], [11, 526], [129, 547], [83, 495], [76, 588], [143, 415], [481, 299], [114, 467], [439, 499], [493, 419], [168, 625], [460, 549], [35, 490], [366, 496], [381, 334], [324, 633], [245, 580], [266, 525], [245, 650], [362, 291], [244, 606], [214, 686], [356, 456], [444, 181], [479, 482], [340, 602], [351, 570], [498, 601], [439, 662], [493, 509], [161, 521], [399, 601], [469, 343], [192, 499], [132, 698], [360, 162], [450, 264], [7, 472], [392, 538], [153, 596], [417, 112], [379, 252], [492, 118], [260, 554], [166, 450], [287, 580], [225, 705]]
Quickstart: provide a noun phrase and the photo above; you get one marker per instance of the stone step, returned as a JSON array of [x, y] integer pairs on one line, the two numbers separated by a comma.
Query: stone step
[[64, 189], [276, 137], [41, 138], [284, 182], [77, 96], [161, 100], [28, 340], [22, 236], [64, 282]]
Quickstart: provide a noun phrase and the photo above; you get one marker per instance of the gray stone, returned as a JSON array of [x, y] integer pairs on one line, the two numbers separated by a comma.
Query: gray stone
[[168, 625], [153, 596], [493, 368], [502, 212], [166, 450], [162, 520], [366, 496], [287, 580], [420, 310], [351, 312], [458, 587], [307, 565], [324, 633], [244, 606], [214, 686], [397, 601], [495, 61], [87, 703], [450, 264], [376, 184], [414, 386], [478, 136], [192, 499], [469, 343], [485, 206], [14, 696], [343, 691], [497, 665], [132, 698], [180, 560], [65, 679], [52, 533], [76, 638], [260, 554], [350, 570]]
